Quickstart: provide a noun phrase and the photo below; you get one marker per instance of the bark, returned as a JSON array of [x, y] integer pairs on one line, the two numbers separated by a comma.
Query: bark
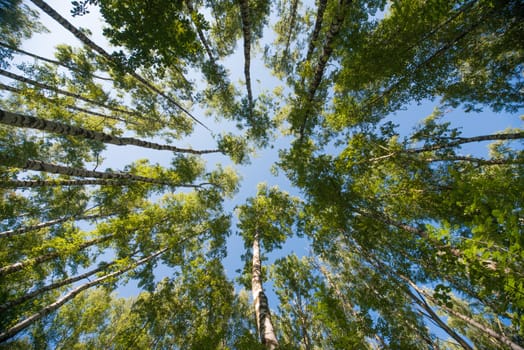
[[22, 230], [52, 286], [327, 50], [316, 29], [71, 107], [463, 140], [37, 165], [24, 121], [246, 28], [418, 300], [434, 317], [89, 43], [20, 326], [66, 93], [200, 33], [58, 63], [61, 182], [83, 182], [9, 269], [292, 22], [262, 313], [470, 321], [479, 161]]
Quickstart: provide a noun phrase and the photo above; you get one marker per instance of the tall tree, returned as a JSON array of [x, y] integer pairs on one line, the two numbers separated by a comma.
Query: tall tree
[[269, 218]]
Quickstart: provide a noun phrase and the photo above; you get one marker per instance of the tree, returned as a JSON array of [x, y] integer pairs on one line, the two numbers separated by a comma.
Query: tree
[[269, 219]]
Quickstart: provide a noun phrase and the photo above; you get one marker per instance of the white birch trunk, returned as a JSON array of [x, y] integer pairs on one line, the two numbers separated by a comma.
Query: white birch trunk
[[262, 313]]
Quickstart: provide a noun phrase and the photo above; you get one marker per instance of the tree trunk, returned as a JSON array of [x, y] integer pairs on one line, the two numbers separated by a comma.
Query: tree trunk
[[322, 4], [51, 61], [500, 337], [37, 165], [462, 140], [433, 316], [55, 285], [71, 107], [24, 121], [262, 313], [89, 43], [200, 33], [246, 29], [327, 50], [67, 93], [384, 269], [20, 326], [22, 230], [9, 269], [61, 182]]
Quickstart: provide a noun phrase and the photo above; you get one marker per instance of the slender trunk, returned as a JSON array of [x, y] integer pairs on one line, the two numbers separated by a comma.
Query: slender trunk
[[61, 182], [22, 230], [200, 33], [89, 43], [434, 317], [37, 165], [479, 161], [20, 326], [246, 28], [83, 182], [470, 321], [58, 63], [66, 93], [419, 301], [9, 269], [327, 50], [24, 121], [316, 29], [463, 140], [292, 22], [71, 107], [262, 313], [52, 286]]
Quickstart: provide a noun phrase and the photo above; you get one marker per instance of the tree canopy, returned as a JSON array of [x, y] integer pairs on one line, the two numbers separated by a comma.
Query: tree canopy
[[390, 232]]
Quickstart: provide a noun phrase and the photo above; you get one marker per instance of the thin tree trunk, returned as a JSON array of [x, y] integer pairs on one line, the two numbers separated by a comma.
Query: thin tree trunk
[[67, 93], [61, 182], [9, 269], [74, 108], [292, 22], [463, 140], [20, 326], [419, 301], [37, 165], [434, 317], [262, 313], [58, 63], [246, 28], [22, 230], [479, 161], [89, 43], [500, 337], [200, 33], [83, 182], [24, 121], [52, 286], [316, 29], [327, 50]]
